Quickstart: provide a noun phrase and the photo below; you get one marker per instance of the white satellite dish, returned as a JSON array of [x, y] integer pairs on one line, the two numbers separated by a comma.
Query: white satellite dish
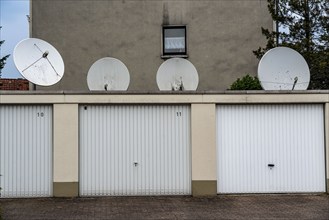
[[108, 74], [38, 61], [177, 74], [282, 68]]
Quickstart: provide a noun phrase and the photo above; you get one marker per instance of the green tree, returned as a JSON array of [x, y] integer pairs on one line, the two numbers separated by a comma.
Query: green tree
[[246, 83], [2, 59], [304, 27]]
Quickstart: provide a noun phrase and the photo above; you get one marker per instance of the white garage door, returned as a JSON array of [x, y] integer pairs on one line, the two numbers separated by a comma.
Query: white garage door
[[270, 148], [25, 151], [134, 150]]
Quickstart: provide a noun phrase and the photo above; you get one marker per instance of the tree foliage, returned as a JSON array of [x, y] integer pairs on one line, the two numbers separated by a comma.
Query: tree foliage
[[2, 59], [246, 83], [304, 27]]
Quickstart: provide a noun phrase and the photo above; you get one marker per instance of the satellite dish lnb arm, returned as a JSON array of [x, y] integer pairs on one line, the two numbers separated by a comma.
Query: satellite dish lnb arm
[[32, 64], [44, 55], [51, 65]]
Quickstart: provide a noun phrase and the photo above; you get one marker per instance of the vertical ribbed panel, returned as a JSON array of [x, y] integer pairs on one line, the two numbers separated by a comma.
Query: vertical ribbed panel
[[250, 137], [25, 151], [134, 150]]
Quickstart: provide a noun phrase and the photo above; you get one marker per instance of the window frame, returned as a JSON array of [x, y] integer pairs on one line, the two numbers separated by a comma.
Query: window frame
[[173, 54]]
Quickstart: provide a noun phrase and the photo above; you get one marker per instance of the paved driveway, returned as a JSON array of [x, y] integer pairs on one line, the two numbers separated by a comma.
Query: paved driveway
[[220, 207]]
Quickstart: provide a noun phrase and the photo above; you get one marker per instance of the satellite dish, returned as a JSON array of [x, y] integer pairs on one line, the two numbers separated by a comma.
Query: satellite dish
[[108, 74], [39, 62], [283, 68], [177, 74]]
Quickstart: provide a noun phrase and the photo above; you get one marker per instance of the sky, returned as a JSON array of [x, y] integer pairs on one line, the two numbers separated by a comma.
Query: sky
[[15, 27]]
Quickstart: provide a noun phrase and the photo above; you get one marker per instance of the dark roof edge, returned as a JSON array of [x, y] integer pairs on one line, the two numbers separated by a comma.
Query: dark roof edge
[[230, 92]]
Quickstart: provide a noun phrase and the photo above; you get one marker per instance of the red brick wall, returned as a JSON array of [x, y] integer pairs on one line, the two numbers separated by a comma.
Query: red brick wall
[[14, 84]]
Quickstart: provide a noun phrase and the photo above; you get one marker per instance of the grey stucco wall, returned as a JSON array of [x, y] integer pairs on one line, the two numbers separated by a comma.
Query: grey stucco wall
[[221, 36]]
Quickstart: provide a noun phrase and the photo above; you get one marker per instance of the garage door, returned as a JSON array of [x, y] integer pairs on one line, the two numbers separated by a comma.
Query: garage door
[[25, 151], [135, 150], [270, 148]]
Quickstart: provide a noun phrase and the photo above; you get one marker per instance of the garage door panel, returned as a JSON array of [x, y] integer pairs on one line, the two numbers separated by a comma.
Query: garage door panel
[[134, 150], [252, 137], [25, 151]]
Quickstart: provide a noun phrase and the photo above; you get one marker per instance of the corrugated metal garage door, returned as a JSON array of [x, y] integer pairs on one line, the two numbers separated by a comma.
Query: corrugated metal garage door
[[25, 151], [270, 148], [135, 150]]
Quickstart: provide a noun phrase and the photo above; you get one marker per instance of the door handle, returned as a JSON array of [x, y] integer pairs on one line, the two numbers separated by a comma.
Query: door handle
[[270, 165]]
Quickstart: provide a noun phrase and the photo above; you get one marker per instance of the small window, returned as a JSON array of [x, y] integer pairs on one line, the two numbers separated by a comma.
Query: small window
[[174, 40]]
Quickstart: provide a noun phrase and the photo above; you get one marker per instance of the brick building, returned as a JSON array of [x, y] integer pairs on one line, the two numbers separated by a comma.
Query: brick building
[[14, 84]]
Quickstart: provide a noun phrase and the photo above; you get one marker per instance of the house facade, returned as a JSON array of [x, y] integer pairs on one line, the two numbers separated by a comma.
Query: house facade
[[217, 37]]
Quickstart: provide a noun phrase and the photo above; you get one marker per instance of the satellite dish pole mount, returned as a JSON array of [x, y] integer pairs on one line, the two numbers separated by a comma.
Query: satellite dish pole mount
[[295, 82]]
